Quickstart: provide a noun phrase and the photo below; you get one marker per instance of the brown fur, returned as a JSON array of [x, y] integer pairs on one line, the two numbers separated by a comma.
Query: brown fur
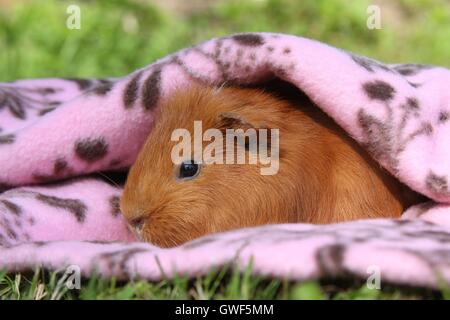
[[323, 177]]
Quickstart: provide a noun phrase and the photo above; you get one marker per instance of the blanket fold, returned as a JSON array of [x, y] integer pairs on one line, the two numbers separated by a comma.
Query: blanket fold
[[57, 134]]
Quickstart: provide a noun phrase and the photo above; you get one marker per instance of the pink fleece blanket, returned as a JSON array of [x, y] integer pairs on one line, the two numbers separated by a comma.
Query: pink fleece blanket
[[56, 132]]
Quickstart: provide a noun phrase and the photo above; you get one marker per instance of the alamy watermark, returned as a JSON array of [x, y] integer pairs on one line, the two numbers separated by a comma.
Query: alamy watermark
[[374, 17], [73, 20], [71, 278], [374, 279], [262, 146]]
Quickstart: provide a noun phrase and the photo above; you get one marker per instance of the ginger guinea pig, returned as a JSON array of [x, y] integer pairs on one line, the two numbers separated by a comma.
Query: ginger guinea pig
[[323, 175]]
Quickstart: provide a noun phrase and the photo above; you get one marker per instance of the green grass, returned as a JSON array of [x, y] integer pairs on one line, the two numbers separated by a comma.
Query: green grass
[[118, 36], [222, 284]]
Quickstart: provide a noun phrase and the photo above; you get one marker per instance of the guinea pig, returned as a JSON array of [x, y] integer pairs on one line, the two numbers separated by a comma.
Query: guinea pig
[[323, 175]]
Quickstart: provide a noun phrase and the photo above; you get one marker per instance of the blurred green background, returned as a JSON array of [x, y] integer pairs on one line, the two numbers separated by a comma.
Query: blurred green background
[[118, 36]]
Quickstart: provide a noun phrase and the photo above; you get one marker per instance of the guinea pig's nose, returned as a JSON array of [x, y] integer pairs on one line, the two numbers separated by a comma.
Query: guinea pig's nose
[[137, 224]]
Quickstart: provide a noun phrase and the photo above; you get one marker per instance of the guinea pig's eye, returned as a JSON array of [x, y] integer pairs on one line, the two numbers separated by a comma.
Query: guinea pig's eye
[[188, 169]]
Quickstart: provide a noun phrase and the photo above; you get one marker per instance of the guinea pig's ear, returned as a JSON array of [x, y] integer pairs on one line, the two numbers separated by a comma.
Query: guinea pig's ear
[[231, 120]]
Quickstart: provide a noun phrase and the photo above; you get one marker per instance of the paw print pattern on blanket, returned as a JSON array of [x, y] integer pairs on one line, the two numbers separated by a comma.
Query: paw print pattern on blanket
[[81, 208], [65, 129], [296, 251], [384, 140]]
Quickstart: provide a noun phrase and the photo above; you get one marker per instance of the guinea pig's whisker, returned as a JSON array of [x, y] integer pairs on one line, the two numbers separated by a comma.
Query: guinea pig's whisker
[[217, 90], [107, 178], [139, 236]]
